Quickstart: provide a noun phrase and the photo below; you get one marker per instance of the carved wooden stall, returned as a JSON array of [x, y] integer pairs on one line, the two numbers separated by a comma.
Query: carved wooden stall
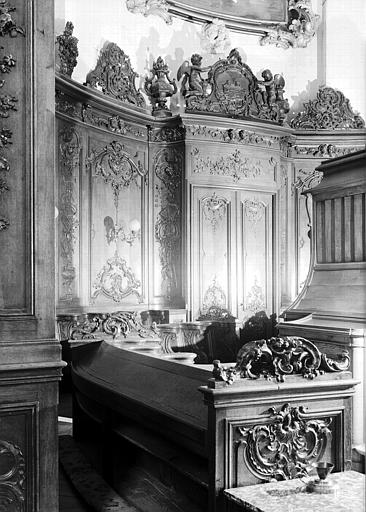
[[140, 416]]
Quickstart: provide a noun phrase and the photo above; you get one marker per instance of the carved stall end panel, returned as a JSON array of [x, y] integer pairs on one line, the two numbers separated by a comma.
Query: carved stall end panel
[[117, 179], [281, 444]]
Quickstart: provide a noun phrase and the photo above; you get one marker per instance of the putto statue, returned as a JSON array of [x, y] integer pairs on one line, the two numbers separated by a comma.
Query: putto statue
[[160, 87], [193, 84]]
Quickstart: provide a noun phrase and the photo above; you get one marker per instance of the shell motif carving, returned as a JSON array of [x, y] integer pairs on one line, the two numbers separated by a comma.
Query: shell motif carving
[[285, 447], [330, 110], [12, 478], [115, 76]]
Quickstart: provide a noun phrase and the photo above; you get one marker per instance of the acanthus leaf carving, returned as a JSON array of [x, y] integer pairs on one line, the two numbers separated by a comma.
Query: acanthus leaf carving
[[285, 446], [67, 50], [12, 477], [115, 76], [116, 280], [301, 27], [331, 110]]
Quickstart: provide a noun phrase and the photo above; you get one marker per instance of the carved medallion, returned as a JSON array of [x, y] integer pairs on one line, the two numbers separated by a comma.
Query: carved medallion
[[214, 209], [116, 281], [115, 76], [285, 447], [12, 478], [330, 110], [67, 51]]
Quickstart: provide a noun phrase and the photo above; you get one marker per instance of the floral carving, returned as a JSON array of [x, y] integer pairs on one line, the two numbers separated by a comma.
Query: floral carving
[[285, 447], [12, 477], [330, 110], [116, 281], [167, 134], [325, 150], [235, 165], [254, 210], [69, 162], [214, 297], [115, 76], [7, 103], [67, 51], [7, 23], [236, 136], [214, 209], [147, 7], [255, 300], [301, 27]]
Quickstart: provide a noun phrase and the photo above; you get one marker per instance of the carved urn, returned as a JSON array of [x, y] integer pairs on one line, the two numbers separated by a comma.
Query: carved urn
[[160, 87]]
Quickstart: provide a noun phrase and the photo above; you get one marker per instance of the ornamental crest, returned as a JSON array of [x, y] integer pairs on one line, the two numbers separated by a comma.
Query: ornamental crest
[[232, 89], [285, 447], [114, 75], [330, 110]]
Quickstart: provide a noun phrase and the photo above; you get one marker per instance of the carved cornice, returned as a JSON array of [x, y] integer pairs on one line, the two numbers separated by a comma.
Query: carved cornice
[[147, 7], [232, 89], [66, 51], [114, 75], [233, 135], [278, 357], [324, 150], [69, 162], [235, 165], [94, 325], [12, 477], [284, 447], [116, 281], [301, 27], [329, 111]]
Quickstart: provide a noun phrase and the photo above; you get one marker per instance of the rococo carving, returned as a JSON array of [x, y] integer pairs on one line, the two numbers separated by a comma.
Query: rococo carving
[[330, 110], [115, 76], [232, 89], [285, 447], [214, 297], [147, 7], [233, 135], [116, 281], [325, 150], [255, 300], [67, 51], [8, 24], [235, 165], [215, 37], [214, 209], [159, 87], [301, 27], [278, 357], [69, 161], [306, 179], [12, 477]]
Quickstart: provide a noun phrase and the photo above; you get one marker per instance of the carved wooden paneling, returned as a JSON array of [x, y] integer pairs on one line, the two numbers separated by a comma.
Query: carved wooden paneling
[[281, 442], [256, 253], [167, 174]]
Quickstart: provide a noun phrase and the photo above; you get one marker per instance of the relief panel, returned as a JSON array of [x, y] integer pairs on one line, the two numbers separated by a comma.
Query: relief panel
[[168, 170], [116, 172], [256, 257]]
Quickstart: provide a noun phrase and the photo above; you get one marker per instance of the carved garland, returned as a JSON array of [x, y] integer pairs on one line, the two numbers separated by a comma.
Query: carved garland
[[330, 110], [326, 150], [12, 477], [236, 136], [278, 357], [285, 447], [67, 51], [234, 165], [115, 76], [8, 26], [68, 209]]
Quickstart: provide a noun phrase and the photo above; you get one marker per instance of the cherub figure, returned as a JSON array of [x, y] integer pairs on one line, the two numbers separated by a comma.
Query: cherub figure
[[269, 95], [193, 84]]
